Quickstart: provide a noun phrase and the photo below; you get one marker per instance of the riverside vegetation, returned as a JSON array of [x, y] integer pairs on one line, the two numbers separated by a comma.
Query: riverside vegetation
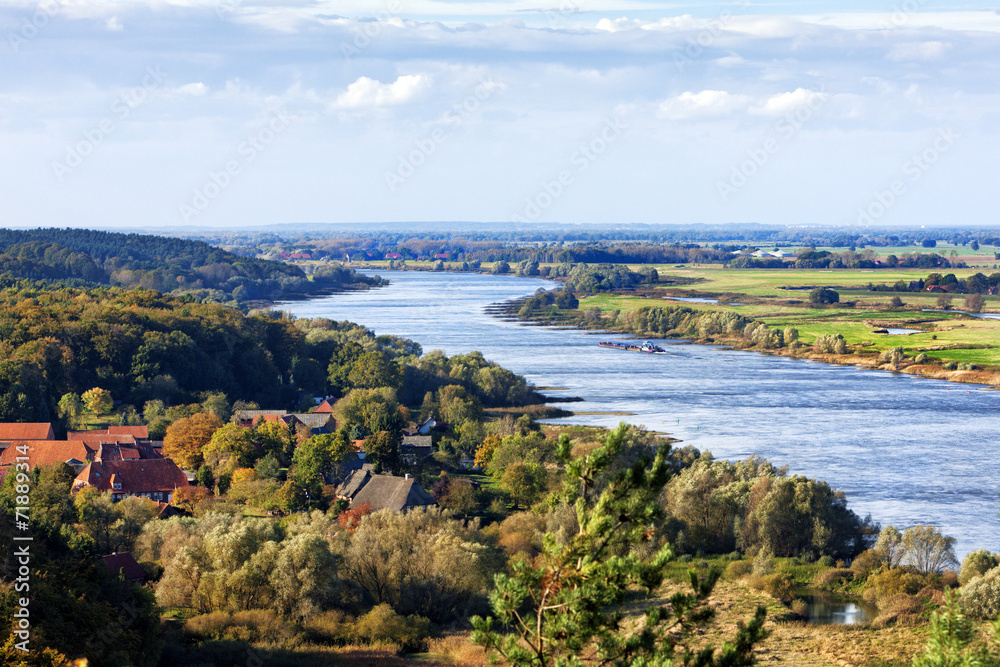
[[618, 545], [838, 317]]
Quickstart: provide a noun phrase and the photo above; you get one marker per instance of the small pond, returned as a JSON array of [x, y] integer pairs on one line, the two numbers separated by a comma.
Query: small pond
[[826, 609], [894, 331]]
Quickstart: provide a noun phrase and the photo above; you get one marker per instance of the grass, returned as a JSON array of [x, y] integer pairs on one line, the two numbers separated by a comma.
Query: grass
[[945, 337]]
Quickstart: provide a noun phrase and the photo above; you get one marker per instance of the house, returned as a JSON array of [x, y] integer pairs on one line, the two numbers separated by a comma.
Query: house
[[49, 452], [398, 494], [9, 432], [393, 255], [428, 425], [246, 418], [415, 448], [124, 564], [936, 289], [134, 432], [326, 407], [156, 479], [317, 422]]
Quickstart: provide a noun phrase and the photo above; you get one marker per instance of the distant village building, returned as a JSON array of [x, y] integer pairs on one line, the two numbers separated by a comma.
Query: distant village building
[[11, 432], [398, 494], [156, 479], [125, 565]]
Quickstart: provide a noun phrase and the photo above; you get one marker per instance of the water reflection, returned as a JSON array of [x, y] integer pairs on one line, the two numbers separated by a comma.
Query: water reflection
[[827, 609]]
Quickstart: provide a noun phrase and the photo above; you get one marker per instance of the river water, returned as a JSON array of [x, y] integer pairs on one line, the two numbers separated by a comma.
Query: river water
[[908, 450]]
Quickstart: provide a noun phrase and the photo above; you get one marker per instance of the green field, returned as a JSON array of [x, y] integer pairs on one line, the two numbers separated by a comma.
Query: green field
[[944, 337]]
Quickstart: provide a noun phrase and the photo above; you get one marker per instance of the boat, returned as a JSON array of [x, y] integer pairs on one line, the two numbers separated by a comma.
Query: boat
[[647, 347]]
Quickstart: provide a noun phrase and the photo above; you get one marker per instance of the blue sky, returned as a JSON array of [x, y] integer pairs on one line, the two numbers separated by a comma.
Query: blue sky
[[123, 114]]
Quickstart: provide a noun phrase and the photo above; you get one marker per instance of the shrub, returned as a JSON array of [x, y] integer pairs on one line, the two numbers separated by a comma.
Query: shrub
[[920, 358], [836, 575], [981, 596], [738, 569], [252, 626], [950, 366], [898, 607], [882, 586], [866, 563], [780, 585], [382, 625], [328, 627], [826, 561], [800, 608]]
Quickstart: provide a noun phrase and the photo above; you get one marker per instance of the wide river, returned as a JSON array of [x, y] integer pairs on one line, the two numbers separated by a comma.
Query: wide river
[[906, 449]]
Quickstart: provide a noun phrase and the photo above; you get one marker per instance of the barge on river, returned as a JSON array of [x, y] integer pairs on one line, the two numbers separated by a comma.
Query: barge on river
[[645, 347]]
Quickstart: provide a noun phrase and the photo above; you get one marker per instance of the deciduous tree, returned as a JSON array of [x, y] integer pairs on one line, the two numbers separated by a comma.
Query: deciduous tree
[[186, 438]]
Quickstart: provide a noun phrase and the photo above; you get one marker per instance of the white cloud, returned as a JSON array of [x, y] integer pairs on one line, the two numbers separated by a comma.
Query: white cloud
[[366, 92], [114, 25], [922, 51], [195, 89], [707, 103], [783, 103]]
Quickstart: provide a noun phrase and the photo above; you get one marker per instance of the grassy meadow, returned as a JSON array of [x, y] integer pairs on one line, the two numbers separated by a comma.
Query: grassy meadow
[[780, 298]]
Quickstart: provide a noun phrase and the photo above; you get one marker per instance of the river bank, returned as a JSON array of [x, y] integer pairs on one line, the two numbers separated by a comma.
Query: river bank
[[871, 359]]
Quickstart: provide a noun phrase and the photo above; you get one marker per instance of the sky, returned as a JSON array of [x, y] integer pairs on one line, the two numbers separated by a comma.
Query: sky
[[238, 114]]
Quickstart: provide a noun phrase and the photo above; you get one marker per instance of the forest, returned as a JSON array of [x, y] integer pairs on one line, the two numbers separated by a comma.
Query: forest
[[81, 257]]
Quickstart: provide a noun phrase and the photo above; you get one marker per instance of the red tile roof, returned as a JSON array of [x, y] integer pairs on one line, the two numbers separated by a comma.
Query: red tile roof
[[36, 431], [136, 477], [138, 432], [47, 452], [325, 406]]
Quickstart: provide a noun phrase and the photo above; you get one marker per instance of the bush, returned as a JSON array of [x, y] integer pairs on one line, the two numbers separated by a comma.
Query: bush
[[920, 358], [826, 561], [329, 627], [738, 569], [882, 586], [824, 295], [836, 575], [866, 563], [898, 607], [981, 596], [780, 586], [252, 626], [382, 625]]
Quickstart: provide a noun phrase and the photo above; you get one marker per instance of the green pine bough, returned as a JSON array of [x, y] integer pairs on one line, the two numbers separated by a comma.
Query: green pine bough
[[567, 607]]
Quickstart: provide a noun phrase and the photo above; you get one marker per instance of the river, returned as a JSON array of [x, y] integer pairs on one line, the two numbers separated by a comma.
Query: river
[[909, 450]]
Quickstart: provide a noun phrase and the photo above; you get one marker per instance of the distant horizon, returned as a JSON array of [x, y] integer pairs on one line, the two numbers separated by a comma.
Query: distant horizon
[[249, 113]]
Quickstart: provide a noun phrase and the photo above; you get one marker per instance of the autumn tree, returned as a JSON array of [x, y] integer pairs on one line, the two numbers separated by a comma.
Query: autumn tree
[[97, 401], [186, 438], [566, 606], [524, 482], [485, 451]]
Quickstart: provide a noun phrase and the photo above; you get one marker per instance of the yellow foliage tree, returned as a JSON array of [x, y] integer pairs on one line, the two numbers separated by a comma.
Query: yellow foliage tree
[[186, 438], [484, 453]]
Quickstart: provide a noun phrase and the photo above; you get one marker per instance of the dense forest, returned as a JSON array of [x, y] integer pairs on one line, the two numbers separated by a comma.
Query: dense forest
[[142, 345], [81, 257]]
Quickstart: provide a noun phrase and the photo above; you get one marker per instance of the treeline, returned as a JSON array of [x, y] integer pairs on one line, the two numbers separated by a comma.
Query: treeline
[[866, 259], [141, 346], [169, 265], [977, 283], [469, 237]]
